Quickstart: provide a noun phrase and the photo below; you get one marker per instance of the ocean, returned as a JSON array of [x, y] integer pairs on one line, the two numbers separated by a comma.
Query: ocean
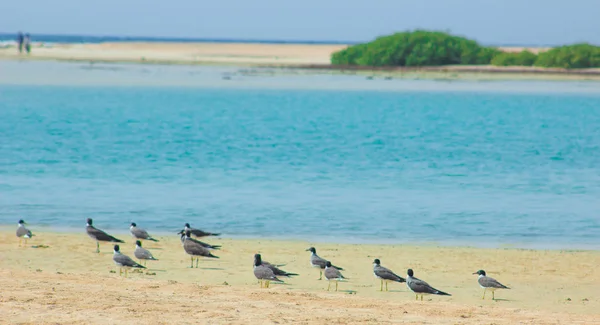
[[451, 167]]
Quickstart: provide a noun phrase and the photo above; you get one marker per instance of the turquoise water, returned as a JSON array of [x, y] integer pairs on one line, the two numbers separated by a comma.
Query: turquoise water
[[448, 167]]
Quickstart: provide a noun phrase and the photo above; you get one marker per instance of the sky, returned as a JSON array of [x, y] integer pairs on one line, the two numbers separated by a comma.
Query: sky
[[492, 22]]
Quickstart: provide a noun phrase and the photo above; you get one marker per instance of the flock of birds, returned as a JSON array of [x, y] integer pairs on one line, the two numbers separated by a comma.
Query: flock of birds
[[264, 271]]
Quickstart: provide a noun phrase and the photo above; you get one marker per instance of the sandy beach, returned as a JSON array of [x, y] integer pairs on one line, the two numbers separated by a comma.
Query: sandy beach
[[68, 283]]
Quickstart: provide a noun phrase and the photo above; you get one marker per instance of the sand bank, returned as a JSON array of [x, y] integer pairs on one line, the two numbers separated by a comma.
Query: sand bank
[[68, 283], [297, 56]]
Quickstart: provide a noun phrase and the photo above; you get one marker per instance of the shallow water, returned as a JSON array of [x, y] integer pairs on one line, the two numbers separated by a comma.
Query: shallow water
[[465, 167]]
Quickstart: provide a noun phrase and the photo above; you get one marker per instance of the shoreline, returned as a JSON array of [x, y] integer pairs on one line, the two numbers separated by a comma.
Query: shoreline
[[332, 240], [286, 56], [53, 283]]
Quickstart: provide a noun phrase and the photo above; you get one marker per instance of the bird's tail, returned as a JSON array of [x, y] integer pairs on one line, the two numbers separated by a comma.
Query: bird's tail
[[152, 239], [401, 279], [140, 266], [116, 240], [214, 234], [442, 293], [290, 274], [213, 256], [339, 268], [217, 247]]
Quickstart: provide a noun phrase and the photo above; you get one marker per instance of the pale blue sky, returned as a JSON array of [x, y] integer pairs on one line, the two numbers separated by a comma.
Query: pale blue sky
[[535, 22]]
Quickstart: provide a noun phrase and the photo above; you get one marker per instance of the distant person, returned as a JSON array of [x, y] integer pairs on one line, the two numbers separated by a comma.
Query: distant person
[[20, 40], [27, 41]]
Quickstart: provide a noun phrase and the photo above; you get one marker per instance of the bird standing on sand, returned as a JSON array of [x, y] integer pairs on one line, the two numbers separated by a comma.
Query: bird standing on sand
[[263, 272], [197, 232], [277, 271], [194, 249], [203, 244], [139, 233], [99, 235], [22, 232], [420, 287], [488, 283], [385, 275], [321, 263], [142, 254], [333, 274], [124, 261]]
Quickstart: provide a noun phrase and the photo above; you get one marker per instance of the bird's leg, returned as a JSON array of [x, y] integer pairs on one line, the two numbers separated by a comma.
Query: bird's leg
[[336, 285], [421, 297], [20, 239], [268, 283], [197, 259], [417, 296], [329, 285], [386, 288], [260, 281], [493, 296], [320, 274], [97, 247], [125, 272], [120, 271], [25, 241], [192, 258], [483, 294], [381, 287]]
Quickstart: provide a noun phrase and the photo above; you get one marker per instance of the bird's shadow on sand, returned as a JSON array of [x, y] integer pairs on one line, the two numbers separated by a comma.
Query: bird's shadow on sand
[[212, 268], [499, 299]]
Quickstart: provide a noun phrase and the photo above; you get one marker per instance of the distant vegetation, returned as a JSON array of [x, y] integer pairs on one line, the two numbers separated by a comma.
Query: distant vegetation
[[571, 57], [524, 58], [423, 48]]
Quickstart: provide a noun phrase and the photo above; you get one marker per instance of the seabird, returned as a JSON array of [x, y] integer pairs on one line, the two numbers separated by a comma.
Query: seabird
[[124, 261], [194, 249], [321, 263], [139, 233], [488, 283], [22, 232], [263, 272], [274, 268], [385, 275], [99, 235], [420, 287], [333, 274], [142, 254], [203, 244], [199, 233]]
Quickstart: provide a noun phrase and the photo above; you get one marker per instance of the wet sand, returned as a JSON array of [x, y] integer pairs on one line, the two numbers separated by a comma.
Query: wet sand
[[68, 283]]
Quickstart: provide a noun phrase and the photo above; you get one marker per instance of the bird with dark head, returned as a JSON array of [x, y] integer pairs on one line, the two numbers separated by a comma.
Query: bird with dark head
[[22, 232], [99, 235], [488, 283], [197, 232], [277, 271], [139, 233], [195, 249], [385, 275], [142, 254], [420, 287], [123, 261], [333, 274], [263, 273]]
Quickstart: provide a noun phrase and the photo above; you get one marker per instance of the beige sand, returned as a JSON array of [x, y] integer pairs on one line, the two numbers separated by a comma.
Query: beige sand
[[184, 53], [68, 283]]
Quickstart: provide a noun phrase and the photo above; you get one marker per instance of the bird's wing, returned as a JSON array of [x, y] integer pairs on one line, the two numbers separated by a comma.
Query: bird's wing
[[387, 274], [333, 273], [316, 260], [126, 261], [487, 282], [143, 254], [101, 235], [196, 249], [140, 233], [21, 231], [262, 272], [420, 286]]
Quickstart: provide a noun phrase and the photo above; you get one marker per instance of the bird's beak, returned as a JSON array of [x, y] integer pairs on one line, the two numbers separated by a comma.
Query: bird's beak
[[307, 250], [475, 273]]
